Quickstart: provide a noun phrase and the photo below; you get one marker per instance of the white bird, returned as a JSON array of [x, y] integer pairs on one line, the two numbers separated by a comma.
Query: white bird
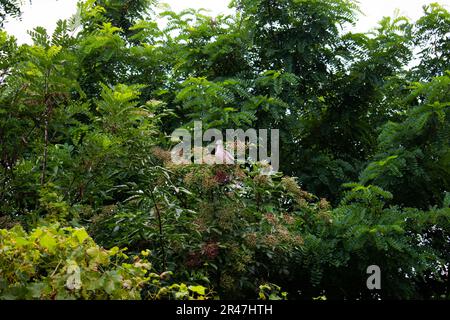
[[222, 155]]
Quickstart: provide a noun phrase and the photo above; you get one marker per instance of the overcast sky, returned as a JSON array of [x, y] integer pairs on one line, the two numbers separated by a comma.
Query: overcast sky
[[46, 12]]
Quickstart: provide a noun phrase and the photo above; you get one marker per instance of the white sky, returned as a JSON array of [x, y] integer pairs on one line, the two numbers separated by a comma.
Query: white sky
[[46, 12]]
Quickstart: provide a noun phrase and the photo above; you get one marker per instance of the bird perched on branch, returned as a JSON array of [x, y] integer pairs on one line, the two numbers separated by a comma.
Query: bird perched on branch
[[222, 155]]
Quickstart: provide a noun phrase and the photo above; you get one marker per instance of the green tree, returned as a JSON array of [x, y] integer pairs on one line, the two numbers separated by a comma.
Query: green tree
[[9, 8]]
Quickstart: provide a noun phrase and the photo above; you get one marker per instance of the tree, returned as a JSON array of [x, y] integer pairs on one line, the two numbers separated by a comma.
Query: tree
[[9, 8], [86, 163], [412, 160], [432, 39]]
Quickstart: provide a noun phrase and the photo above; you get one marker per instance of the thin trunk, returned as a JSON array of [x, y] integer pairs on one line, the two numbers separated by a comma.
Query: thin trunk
[[161, 235], [47, 113], [44, 166]]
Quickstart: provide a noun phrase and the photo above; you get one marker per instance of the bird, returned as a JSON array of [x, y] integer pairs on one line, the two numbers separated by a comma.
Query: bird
[[222, 155]]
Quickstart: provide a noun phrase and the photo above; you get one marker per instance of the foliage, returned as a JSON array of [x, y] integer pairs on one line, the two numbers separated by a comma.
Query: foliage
[[65, 263], [9, 8], [271, 292], [85, 162], [413, 159], [431, 36]]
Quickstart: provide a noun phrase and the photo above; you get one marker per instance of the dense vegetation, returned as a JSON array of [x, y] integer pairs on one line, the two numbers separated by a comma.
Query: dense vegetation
[[85, 167]]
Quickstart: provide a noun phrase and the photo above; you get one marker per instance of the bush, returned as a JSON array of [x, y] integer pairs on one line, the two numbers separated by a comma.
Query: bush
[[65, 263]]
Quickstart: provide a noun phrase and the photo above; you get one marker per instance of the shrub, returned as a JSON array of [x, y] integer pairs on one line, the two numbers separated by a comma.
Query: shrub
[[65, 263]]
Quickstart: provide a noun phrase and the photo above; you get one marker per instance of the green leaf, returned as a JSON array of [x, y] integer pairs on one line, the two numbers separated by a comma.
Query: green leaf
[[198, 289], [81, 235], [48, 242]]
